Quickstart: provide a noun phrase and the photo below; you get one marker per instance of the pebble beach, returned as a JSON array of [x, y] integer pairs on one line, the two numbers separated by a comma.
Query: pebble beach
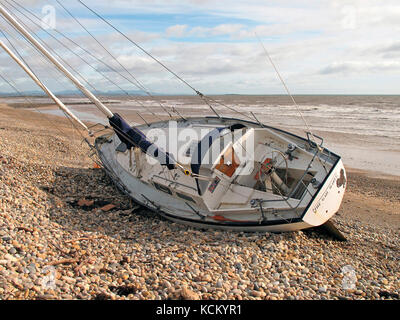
[[66, 232]]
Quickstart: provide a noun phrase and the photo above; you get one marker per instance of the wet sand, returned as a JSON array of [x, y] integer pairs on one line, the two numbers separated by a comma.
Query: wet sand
[[117, 254]]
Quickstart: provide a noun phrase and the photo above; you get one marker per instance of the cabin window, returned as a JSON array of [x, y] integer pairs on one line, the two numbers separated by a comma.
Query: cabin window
[[162, 188], [228, 162], [185, 197]]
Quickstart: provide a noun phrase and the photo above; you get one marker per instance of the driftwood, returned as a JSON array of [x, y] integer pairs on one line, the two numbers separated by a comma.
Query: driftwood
[[84, 238], [63, 261], [25, 229], [82, 259], [59, 249]]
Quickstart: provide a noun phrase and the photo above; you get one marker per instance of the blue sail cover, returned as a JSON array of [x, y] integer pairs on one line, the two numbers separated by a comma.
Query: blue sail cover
[[133, 137], [199, 154], [202, 148]]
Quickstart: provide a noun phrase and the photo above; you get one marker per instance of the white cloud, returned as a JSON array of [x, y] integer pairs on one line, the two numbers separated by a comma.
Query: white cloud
[[350, 67], [312, 42], [176, 31]]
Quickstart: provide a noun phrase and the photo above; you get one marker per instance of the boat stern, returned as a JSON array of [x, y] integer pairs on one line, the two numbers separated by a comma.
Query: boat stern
[[328, 200]]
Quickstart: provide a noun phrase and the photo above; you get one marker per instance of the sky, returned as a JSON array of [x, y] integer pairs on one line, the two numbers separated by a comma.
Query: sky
[[319, 47]]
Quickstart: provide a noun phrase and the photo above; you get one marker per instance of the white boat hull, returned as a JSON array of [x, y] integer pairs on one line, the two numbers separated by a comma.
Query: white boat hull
[[324, 204]]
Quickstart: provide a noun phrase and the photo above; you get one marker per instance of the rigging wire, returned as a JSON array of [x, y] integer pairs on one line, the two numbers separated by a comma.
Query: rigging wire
[[86, 81], [28, 100], [119, 131], [287, 90], [139, 84], [201, 95], [116, 129], [319, 148], [58, 56], [41, 58], [205, 99], [84, 139], [81, 58], [51, 49], [76, 44], [14, 87], [141, 48]]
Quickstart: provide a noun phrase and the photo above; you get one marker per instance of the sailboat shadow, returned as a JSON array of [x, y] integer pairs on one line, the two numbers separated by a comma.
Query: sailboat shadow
[[86, 200]]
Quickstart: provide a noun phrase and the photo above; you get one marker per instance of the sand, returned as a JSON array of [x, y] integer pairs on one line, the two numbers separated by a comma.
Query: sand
[[96, 253]]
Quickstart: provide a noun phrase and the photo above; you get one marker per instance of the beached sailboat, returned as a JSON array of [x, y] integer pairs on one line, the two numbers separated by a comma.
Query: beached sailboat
[[213, 172]]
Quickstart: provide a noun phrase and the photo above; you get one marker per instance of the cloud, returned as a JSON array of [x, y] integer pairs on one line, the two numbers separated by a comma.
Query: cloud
[[214, 45], [352, 67], [176, 31], [389, 51], [395, 47], [182, 31]]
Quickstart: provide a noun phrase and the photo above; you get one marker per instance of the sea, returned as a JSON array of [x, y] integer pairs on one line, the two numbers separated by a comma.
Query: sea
[[363, 129]]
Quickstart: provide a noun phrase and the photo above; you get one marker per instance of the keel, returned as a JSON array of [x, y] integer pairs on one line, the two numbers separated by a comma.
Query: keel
[[330, 228]]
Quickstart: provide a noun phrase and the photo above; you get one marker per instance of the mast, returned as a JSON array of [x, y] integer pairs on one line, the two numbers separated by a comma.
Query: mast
[[68, 74], [131, 136], [42, 86]]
